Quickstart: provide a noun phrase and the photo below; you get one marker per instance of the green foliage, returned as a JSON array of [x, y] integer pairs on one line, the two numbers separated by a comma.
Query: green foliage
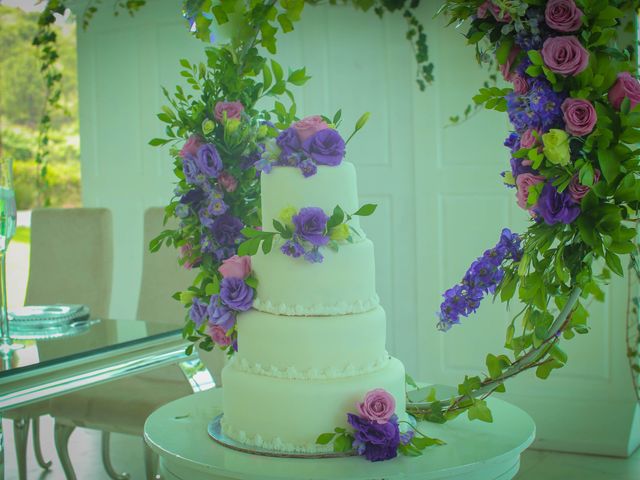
[[63, 184]]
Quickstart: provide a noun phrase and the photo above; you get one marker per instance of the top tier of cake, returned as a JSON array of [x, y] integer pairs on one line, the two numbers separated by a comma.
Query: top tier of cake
[[285, 187]]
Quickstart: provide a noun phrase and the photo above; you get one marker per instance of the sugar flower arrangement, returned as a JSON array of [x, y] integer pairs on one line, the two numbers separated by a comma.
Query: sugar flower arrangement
[[305, 231], [306, 144], [375, 431]]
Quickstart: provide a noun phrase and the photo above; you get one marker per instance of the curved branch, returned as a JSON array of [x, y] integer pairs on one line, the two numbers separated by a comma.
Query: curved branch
[[527, 361]]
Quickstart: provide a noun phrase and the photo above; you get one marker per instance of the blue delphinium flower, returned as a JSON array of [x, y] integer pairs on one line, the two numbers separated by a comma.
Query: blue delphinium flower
[[313, 256], [483, 277]]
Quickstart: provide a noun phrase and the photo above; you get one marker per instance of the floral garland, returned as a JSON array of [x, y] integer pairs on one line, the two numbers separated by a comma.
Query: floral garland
[[574, 168]]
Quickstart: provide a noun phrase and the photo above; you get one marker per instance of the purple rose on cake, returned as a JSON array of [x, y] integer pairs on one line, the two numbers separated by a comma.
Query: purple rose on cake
[[288, 142], [376, 441], [198, 312], [236, 294], [325, 147], [310, 224]]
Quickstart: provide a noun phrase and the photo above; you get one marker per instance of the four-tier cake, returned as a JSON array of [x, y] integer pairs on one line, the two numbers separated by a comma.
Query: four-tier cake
[[314, 342]]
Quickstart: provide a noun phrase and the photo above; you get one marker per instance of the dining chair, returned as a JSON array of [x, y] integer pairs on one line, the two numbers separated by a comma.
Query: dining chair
[[71, 261], [122, 406]]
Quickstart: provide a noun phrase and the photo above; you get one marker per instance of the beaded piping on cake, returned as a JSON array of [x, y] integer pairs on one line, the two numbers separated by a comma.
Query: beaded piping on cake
[[274, 444], [311, 374], [342, 308]]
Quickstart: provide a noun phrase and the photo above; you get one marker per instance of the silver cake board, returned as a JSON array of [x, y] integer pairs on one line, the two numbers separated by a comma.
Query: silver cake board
[[214, 429]]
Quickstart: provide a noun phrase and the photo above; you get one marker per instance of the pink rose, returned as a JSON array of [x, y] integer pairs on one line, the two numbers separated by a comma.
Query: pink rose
[[577, 190], [186, 251], [489, 6], [520, 85], [505, 69], [528, 140], [524, 181], [191, 147], [218, 335], [378, 406], [236, 267], [308, 126], [565, 55], [563, 15], [579, 116], [625, 86], [233, 110], [228, 181]]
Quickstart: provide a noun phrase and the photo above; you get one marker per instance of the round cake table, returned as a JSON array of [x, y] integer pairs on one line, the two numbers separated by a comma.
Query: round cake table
[[475, 450]]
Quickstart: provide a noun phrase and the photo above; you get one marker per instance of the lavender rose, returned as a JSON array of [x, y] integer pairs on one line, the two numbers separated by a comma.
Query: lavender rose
[[528, 139], [218, 335], [579, 116], [191, 146], [325, 147], [378, 406], [625, 86], [376, 441], [236, 267], [220, 314], [309, 126], [524, 182], [565, 55], [236, 294], [208, 160], [232, 109], [520, 85], [563, 15], [556, 207], [226, 229], [310, 224], [578, 190], [191, 171], [228, 182]]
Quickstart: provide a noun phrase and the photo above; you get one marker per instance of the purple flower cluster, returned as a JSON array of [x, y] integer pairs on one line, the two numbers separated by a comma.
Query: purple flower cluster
[[310, 229], [482, 277], [376, 441], [324, 147], [538, 109]]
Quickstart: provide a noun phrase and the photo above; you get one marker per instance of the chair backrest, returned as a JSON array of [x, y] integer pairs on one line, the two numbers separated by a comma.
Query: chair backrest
[[162, 276], [71, 258]]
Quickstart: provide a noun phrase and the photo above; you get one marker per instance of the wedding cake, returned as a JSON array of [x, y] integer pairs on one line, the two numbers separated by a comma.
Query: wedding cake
[[314, 342]]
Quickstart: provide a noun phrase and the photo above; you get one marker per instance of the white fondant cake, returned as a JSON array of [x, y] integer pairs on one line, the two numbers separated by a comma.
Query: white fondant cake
[[314, 343]]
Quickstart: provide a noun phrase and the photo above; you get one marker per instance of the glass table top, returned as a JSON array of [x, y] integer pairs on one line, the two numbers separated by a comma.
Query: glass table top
[[87, 339]]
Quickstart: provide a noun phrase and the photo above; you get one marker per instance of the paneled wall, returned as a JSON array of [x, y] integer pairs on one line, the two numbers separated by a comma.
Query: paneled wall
[[441, 203]]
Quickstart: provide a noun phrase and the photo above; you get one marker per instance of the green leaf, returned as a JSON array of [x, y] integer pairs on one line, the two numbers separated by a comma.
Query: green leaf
[[480, 411], [558, 354], [285, 23], [535, 57], [267, 78], [543, 371], [493, 364], [609, 164], [343, 443], [423, 442], [502, 53], [410, 381], [267, 244], [277, 70], [251, 281], [156, 142], [298, 77], [280, 228], [336, 217], [249, 247], [220, 14], [614, 263], [366, 210], [325, 438]]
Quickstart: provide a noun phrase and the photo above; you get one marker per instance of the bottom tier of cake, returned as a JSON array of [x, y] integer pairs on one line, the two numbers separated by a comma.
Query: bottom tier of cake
[[288, 415]]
